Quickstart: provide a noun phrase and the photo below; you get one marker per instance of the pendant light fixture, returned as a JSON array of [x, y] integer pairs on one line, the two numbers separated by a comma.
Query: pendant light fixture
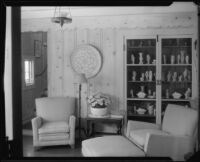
[[61, 17]]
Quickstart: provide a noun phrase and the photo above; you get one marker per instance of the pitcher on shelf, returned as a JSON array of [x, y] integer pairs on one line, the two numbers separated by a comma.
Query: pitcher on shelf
[[140, 58], [182, 56], [148, 58], [133, 59], [134, 74]]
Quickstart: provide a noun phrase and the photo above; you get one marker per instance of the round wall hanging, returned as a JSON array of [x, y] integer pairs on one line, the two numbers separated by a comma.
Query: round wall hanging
[[86, 59]]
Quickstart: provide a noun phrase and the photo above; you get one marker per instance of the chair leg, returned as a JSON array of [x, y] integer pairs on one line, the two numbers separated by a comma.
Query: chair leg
[[73, 146]]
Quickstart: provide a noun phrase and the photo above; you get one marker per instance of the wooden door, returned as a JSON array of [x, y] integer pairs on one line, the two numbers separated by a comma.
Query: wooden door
[[33, 48]]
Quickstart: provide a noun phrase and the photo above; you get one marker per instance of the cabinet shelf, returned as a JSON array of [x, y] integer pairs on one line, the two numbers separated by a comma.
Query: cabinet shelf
[[141, 64], [176, 64], [142, 81], [141, 115], [177, 82], [185, 100], [141, 47], [176, 46], [142, 99]]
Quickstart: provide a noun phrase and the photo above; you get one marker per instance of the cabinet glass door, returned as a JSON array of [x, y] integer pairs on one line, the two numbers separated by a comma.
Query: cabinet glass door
[[141, 79], [176, 72]]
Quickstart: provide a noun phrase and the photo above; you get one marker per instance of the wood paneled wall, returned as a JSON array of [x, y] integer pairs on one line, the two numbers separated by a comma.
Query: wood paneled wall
[[107, 34], [61, 75]]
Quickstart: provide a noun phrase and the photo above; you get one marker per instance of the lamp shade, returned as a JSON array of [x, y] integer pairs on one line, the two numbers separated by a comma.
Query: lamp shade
[[81, 78]]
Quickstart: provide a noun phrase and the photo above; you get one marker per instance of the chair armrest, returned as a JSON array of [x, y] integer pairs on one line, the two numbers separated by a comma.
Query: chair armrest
[[171, 146], [36, 124], [133, 125], [72, 124]]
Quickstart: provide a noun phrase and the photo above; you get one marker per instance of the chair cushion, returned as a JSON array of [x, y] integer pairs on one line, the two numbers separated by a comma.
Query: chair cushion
[[110, 146], [54, 127], [55, 108], [179, 120], [139, 135], [54, 136]]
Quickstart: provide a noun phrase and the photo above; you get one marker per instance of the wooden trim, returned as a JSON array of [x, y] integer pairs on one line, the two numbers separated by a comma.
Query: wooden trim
[[16, 147]]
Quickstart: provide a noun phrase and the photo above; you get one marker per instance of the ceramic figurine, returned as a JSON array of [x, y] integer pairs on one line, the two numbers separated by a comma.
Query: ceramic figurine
[[147, 75], [187, 59], [131, 92], [178, 59], [148, 59], [140, 58], [188, 93], [133, 59], [167, 93], [154, 94], [142, 77], [182, 56], [172, 59], [141, 94], [150, 75], [164, 59], [169, 76], [134, 74], [142, 88], [180, 78], [174, 77], [150, 109], [185, 73], [149, 92]]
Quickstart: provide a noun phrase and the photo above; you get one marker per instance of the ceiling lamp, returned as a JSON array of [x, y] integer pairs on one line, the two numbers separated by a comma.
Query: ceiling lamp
[[61, 17]]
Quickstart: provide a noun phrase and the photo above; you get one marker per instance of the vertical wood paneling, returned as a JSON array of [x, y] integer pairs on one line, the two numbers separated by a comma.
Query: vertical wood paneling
[[55, 48], [119, 75], [94, 39], [107, 71], [50, 48], [81, 38], [68, 76]]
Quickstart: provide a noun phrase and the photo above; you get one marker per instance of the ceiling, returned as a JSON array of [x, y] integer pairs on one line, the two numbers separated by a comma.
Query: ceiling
[[47, 12]]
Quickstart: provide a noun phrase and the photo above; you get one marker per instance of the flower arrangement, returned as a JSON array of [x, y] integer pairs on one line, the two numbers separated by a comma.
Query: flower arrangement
[[99, 100]]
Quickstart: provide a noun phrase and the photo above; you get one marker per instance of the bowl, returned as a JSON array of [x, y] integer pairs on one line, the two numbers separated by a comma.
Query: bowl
[[141, 111], [141, 94], [176, 95]]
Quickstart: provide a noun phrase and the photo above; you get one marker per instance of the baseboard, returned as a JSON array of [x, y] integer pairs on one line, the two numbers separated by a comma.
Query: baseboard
[[27, 132]]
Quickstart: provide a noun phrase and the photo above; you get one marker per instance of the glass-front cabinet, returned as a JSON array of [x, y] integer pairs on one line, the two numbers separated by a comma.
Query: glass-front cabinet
[[176, 71], [158, 72]]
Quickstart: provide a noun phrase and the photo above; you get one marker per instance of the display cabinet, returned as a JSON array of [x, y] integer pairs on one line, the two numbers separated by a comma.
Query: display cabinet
[[176, 66], [158, 72]]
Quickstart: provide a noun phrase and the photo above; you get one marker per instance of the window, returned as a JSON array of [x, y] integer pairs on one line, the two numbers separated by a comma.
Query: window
[[29, 72]]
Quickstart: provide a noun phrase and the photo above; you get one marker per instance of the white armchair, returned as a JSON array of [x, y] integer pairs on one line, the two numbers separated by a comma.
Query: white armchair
[[54, 123], [174, 138]]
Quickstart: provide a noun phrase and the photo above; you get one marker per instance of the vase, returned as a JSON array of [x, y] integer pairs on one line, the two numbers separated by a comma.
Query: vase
[[99, 111]]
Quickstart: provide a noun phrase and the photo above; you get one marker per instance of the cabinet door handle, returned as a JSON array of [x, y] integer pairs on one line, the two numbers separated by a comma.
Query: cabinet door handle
[[158, 82]]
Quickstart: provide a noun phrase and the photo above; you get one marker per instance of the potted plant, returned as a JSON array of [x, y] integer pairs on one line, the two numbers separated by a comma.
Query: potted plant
[[98, 104]]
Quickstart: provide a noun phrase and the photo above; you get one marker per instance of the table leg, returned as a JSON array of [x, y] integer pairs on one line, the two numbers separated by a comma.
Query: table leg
[[88, 128], [93, 131], [119, 131]]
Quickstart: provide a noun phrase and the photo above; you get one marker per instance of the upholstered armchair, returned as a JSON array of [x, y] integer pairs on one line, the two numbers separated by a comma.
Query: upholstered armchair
[[174, 138], [54, 123]]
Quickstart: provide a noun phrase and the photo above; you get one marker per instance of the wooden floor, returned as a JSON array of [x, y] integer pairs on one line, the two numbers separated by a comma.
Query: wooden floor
[[50, 151]]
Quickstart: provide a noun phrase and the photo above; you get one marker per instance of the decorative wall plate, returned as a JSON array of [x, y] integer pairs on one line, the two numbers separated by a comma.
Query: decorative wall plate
[[86, 59]]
